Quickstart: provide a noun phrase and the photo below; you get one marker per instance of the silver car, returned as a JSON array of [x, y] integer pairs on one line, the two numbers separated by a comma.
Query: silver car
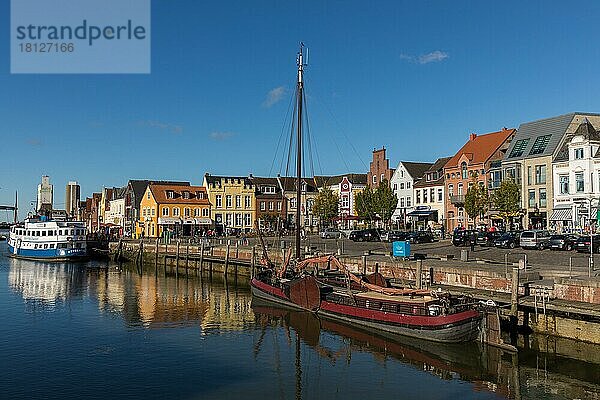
[[330, 233], [537, 239]]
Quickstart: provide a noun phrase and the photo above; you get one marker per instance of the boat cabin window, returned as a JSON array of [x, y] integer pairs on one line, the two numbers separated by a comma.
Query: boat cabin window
[[62, 245], [72, 232], [50, 233], [43, 233], [35, 246], [51, 245], [78, 245], [46, 245]]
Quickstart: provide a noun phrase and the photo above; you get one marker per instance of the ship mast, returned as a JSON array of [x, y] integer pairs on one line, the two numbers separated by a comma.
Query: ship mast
[[299, 87]]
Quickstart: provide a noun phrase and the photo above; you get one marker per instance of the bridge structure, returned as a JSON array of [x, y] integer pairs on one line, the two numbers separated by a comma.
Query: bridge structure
[[14, 208]]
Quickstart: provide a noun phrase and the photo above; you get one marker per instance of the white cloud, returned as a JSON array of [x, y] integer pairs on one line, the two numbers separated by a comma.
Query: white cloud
[[274, 96], [173, 128], [220, 135], [434, 56]]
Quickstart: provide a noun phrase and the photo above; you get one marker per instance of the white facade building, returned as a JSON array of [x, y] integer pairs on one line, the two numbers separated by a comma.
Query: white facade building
[[429, 196], [45, 195], [116, 213], [576, 179], [402, 182]]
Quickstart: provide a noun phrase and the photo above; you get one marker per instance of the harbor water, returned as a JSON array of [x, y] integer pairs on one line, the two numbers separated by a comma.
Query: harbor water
[[102, 330]]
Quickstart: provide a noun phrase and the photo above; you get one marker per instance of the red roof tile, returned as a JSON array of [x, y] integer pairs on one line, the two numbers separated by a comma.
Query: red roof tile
[[480, 148]]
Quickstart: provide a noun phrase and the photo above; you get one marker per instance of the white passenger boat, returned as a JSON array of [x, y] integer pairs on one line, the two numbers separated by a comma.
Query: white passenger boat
[[42, 239]]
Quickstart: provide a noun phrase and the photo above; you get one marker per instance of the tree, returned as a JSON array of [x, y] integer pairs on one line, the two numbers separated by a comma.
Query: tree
[[476, 200], [507, 199], [325, 206], [365, 204], [385, 201]]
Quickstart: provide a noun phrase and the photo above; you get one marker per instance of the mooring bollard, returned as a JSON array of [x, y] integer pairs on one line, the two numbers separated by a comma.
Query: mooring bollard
[[514, 297]]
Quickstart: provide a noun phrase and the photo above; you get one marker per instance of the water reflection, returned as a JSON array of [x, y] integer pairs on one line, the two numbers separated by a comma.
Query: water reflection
[[316, 351]]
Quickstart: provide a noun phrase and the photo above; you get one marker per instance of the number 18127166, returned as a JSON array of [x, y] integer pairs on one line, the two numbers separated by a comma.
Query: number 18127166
[[46, 47]]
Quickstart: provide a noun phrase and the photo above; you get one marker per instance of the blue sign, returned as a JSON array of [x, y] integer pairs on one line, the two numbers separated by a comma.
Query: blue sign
[[401, 249]]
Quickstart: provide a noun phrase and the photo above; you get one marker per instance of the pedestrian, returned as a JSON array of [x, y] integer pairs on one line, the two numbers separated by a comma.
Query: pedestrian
[[472, 240]]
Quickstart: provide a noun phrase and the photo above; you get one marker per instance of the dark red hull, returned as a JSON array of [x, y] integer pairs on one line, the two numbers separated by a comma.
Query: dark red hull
[[457, 327]]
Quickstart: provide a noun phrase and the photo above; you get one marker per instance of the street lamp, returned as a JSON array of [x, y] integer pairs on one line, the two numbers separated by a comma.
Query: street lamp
[[589, 200]]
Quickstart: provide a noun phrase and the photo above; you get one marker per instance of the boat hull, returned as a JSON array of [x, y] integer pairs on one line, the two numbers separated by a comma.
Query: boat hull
[[48, 254], [454, 328]]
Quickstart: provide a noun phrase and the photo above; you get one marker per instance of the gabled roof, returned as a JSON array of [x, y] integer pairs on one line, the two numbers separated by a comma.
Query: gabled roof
[[355, 179], [160, 194], [416, 169], [289, 183], [437, 166], [212, 179], [138, 186], [480, 148], [530, 132], [585, 129]]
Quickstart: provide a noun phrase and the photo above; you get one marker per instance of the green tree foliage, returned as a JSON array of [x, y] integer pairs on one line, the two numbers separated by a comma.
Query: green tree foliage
[[325, 206], [385, 201], [507, 199], [476, 200], [365, 204], [376, 203]]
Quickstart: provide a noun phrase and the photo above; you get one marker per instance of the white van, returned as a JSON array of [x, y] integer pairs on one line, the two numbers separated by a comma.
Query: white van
[[537, 239]]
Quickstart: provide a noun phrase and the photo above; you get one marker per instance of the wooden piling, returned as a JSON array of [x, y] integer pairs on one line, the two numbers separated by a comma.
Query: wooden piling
[[227, 258], [253, 262], [202, 256], [418, 274], [166, 251], [177, 260], [514, 297], [364, 264], [156, 257], [187, 256]]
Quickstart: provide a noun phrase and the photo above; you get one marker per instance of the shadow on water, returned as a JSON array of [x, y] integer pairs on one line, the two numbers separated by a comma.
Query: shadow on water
[[148, 297]]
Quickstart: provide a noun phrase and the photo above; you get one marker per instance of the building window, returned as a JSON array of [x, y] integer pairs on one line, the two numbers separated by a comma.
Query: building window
[[408, 201], [196, 212], [165, 212], [531, 198], [176, 211], [248, 219], [228, 219], [440, 195], [529, 178], [401, 185], [153, 211], [450, 190], [408, 185], [238, 219], [418, 197], [395, 186], [540, 174], [564, 184], [579, 153], [519, 148], [279, 206], [228, 201], [293, 202], [238, 201], [345, 202], [219, 201], [205, 212], [579, 185], [382, 178], [542, 197], [460, 189], [247, 202], [425, 196], [539, 146], [263, 206], [186, 212], [170, 194], [401, 201], [374, 179], [432, 195], [463, 168], [270, 206], [186, 194]]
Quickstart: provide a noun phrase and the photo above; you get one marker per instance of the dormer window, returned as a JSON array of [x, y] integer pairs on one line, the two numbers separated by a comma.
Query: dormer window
[[304, 186], [464, 172], [579, 153], [170, 194], [186, 194], [200, 195]]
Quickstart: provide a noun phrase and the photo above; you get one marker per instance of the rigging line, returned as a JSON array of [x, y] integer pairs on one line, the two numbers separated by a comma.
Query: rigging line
[[281, 134], [316, 151], [291, 142], [309, 141], [343, 132], [289, 126]]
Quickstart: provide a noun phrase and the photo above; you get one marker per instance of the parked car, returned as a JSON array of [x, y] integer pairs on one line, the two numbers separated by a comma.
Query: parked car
[[487, 238], [396, 236], [508, 240], [583, 244], [563, 242], [420, 237], [463, 237], [365, 235], [330, 233], [537, 239]]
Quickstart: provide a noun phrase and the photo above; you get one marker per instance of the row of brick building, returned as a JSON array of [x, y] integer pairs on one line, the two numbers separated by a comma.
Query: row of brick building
[[555, 161]]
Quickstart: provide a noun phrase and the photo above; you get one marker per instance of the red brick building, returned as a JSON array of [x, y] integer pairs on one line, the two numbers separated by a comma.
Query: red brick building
[[471, 162], [379, 169]]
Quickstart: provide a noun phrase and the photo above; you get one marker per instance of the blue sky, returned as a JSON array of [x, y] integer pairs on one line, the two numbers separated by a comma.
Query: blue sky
[[415, 76]]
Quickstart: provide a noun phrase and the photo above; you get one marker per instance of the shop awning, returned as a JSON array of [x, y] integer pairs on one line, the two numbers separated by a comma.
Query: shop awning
[[168, 221], [420, 213], [203, 221], [562, 214]]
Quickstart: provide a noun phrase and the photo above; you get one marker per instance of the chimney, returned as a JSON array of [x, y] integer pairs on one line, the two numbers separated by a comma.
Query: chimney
[[250, 176], [472, 136]]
